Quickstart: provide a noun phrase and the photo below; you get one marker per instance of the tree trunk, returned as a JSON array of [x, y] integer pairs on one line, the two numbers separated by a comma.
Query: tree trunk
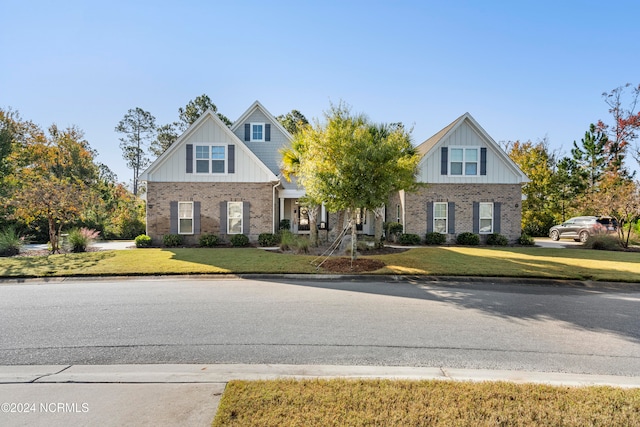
[[53, 236], [338, 227], [378, 226], [354, 234], [313, 224]]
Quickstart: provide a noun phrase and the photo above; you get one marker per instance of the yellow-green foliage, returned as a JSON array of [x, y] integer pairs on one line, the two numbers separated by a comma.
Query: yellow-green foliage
[[343, 402]]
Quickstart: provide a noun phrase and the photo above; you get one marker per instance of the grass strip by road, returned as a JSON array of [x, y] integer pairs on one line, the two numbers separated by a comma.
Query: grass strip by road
[[423, 403], [576, 264]]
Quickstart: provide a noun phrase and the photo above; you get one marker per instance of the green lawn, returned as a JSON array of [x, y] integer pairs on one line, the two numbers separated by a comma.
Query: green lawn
[[423, 403], [579, 264]]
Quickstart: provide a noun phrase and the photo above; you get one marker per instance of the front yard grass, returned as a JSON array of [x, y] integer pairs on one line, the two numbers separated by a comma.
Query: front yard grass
[[577, 264], [423, 403]]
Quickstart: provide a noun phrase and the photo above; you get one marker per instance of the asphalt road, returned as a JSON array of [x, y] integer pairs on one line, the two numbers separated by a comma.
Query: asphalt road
[[192, 320]]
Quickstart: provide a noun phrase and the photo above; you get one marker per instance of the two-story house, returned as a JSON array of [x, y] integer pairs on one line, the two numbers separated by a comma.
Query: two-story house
[[471, 186], [224, 181]]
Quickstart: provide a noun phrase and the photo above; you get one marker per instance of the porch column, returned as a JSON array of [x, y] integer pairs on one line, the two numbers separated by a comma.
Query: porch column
[[281, 213]]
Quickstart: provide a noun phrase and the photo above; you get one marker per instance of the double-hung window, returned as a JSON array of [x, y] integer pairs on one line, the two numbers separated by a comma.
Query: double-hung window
[[185, 217], [486, 218], [234, 217], [440, 217], [257, 131], [463, 161], [210, 159]]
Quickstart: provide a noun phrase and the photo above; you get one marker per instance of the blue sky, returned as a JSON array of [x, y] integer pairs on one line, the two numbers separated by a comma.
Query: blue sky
[[525, 70]]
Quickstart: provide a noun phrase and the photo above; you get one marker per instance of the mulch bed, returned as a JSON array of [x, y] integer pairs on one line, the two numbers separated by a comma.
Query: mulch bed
[[345, 265]]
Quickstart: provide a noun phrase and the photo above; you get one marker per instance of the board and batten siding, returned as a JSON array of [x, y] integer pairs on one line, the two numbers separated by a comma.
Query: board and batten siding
[[267, 151], [498, 172], [173, 168]]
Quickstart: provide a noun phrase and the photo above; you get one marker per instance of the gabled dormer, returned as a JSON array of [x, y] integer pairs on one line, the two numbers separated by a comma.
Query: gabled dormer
[[262, 134], [464, 153]]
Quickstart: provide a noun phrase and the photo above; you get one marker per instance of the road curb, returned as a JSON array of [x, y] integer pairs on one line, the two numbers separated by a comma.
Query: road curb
[[223, 373], [416, 279]]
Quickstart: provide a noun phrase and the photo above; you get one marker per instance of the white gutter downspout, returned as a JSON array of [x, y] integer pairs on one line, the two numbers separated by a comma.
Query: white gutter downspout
[[273, 208]]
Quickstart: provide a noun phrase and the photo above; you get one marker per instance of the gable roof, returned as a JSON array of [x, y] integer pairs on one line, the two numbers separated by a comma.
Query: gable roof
[[258, 106], [208, 115], [428, 147]]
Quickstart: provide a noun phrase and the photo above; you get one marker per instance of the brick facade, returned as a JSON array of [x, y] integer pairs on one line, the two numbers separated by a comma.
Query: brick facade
[[210, 195], [415, 207]]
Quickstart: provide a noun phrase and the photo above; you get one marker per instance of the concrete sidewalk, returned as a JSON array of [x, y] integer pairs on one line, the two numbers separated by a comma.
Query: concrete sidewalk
[[159, 395]]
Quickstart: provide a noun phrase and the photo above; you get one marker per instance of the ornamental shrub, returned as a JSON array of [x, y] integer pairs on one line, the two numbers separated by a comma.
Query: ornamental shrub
[[497, 239], [286, 240], [301, 245], [526, 240], [79, 238], [143, 241], [267, 239], [10, 242], [393, 229], [604, 242], [285, 224], [435, 238], [208, 240], [172, 240], [239, 240], [467, 238], [409, 239]]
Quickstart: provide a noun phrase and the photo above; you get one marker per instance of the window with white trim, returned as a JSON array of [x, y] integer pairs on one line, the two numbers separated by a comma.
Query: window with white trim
[[257, 131], [440, 217], [463, 161], [486, 218], [185, 217], [234, 217], [210, 158]]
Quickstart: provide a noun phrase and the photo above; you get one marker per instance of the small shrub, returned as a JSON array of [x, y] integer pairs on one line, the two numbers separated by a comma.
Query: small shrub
[[208, 240], [268, 239], [497, 239], [526, 240], [301, 245], [79, 238], [435, 238], [285, 224], [143, 241], [172, 240], [363, 246], [286, 240], [239, 240], [603, 242], [409, 239], [393, 229], [469, 239], [10, 242]]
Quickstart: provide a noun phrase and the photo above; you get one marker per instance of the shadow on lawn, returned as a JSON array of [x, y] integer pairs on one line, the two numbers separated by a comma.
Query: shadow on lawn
[[54, 265]]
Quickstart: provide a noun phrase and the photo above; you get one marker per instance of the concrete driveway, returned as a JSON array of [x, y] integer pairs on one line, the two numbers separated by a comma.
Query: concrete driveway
[[101, 244], [546, 242]]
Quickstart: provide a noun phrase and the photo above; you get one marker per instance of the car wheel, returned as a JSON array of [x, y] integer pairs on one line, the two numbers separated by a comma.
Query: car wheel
[[584, 235], [554, 235]]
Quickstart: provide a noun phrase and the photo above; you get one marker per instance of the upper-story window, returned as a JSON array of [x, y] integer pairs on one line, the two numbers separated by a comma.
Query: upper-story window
[[210, 158], [257, 131], [463, 161]]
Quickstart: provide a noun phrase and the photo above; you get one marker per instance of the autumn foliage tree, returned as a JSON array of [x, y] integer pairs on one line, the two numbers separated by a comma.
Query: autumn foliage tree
[[623, 107], [53, 179], [350, 163]]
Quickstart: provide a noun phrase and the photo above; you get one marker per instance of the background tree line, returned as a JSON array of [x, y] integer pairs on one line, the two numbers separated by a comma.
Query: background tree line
[[593, 179]]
